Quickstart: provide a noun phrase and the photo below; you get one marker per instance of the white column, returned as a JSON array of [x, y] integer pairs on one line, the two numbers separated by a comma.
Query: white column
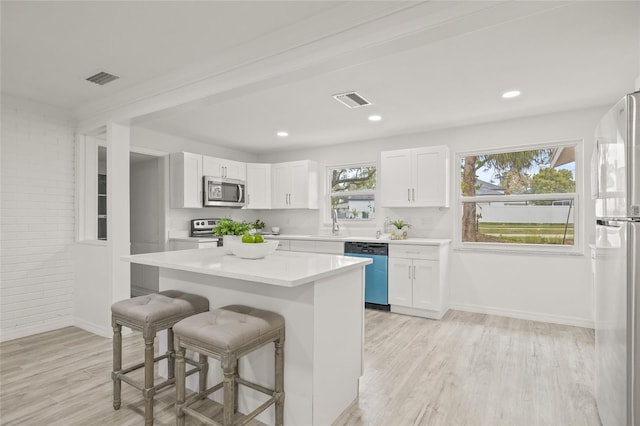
[[118, 211]]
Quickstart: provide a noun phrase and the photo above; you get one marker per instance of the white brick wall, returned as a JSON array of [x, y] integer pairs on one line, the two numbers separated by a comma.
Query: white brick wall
[[37, 219]]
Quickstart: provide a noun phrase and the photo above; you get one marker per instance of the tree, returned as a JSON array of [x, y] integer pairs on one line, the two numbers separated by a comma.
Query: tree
[[502, 164], [549, 180], [515, 182], [353, 179]]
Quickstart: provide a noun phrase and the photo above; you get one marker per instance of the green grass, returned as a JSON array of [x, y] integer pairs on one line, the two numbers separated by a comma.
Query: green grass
[[525, 233]]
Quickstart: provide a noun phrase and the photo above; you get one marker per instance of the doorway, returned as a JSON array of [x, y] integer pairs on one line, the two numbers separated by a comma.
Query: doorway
[[146, 218]]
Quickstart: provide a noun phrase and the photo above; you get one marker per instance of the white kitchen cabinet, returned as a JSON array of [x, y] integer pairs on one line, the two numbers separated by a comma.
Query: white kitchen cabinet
[[294, 185], [283, 245], [192, 243], [258, 186], [185, 177], [220, 167], [315, 246], [417, 280], [416, 177]]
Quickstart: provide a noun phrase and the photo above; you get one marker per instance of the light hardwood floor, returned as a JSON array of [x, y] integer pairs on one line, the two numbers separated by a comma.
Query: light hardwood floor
[[467, 369]]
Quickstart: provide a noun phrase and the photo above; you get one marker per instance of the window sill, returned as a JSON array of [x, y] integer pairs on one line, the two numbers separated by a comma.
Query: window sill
[[517, 249], [93, 242]]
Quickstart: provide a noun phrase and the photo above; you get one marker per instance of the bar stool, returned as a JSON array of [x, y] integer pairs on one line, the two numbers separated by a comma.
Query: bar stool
[[150, 314], [227, 334]]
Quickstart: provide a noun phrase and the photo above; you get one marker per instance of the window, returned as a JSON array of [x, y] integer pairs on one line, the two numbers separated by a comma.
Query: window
[[523, 198], [352, 192]]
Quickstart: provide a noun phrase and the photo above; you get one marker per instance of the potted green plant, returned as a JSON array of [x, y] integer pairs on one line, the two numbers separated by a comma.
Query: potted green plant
[[399, 225], [258, 225], [228, 228]]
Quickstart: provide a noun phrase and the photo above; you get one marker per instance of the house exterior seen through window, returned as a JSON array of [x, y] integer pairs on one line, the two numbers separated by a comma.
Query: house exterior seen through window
[[352, 192], [519, 197]]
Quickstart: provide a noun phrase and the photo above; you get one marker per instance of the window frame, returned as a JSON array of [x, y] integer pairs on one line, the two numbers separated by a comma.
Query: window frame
[[326, 216], [576, 249]]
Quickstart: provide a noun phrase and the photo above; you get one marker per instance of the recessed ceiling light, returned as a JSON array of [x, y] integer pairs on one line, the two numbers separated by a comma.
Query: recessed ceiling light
[[282, 134], [511, 94], [375, 118]]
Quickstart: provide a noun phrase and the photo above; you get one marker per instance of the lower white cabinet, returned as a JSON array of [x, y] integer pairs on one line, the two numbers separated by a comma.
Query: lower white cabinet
[[189, 244], [315, 246], [417, 280], [312, 246]]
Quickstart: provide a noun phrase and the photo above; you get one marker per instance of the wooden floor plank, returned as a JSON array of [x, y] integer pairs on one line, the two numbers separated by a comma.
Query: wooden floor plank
[[467, 369]]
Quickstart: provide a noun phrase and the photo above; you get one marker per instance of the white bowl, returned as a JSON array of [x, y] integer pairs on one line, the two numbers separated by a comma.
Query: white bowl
[[252, 250]]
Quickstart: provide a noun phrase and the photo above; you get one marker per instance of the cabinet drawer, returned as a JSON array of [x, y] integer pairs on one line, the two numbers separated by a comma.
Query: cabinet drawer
[[302, 245], [329, 247], [414, 252], [284, 245]]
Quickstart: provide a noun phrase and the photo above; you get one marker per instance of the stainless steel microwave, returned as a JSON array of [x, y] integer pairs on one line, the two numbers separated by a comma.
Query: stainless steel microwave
[[222, 192]]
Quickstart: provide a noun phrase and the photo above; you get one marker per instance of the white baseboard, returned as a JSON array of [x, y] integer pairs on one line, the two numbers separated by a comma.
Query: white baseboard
[[532, 316], [93, 328], [30, 330]]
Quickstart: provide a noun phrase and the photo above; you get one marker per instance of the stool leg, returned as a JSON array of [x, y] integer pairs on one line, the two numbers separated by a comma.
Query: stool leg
[[148, 381], [203, 363], [228, 386], [117, 366], [180, 384], [236, 375], [171, 354], [279, 388]]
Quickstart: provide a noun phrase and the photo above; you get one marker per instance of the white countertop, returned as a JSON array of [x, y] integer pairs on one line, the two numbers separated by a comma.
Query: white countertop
[[282, 268], [409, 241], [195, 239]]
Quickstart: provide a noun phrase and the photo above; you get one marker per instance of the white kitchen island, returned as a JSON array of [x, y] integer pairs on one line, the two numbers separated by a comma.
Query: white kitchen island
[[321, 297]]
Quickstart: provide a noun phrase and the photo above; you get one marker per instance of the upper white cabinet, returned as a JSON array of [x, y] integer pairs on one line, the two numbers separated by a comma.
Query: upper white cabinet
[[415, 177], [219, 167], [258, 186], [185, 177], [294, 185]]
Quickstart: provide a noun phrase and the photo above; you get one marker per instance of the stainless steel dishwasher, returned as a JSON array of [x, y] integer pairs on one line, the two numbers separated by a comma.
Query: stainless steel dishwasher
[[376, 283]]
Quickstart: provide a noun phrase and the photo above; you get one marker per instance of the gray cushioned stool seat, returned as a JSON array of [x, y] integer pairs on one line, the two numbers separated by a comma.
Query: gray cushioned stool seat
[[228, 328], [157, 311], [150, 314], [227, 334]]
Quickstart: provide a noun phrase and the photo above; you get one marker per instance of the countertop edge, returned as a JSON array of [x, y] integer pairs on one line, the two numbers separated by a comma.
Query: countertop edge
[[410, 241], [147, 259]]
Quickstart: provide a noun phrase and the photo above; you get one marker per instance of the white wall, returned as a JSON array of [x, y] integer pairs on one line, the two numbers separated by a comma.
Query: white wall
[[535, 286], [37, 234]]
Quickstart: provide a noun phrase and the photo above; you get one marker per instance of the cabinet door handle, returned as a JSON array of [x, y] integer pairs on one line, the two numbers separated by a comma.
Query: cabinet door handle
[[414, 272], [409, 194], [409, 271], [413, 194]]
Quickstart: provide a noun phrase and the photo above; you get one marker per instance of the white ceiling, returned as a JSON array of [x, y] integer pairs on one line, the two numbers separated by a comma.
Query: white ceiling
[[274, 65]]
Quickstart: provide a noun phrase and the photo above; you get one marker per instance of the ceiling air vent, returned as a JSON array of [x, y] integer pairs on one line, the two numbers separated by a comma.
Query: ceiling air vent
[[352, 100], [102, 78]]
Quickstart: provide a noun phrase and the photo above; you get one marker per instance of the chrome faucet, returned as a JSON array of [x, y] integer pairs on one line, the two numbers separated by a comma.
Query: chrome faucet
[[335, 228]]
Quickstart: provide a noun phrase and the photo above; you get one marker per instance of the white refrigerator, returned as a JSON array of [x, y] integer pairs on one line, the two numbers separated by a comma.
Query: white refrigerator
[[616, 189]]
